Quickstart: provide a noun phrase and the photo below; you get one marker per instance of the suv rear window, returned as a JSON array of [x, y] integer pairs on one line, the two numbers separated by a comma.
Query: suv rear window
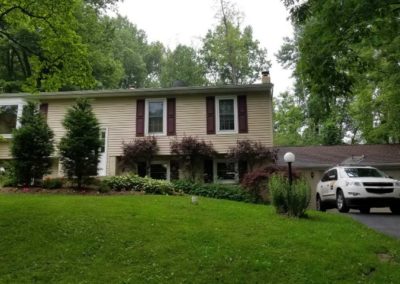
[[363, 172]]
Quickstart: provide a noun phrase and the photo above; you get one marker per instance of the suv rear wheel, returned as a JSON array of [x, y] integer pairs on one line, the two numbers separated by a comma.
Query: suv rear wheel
[[320, 205], [395, 209], [341, 202]]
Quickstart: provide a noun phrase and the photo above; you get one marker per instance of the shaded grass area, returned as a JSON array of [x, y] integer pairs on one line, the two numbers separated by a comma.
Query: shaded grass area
[[158, 239]]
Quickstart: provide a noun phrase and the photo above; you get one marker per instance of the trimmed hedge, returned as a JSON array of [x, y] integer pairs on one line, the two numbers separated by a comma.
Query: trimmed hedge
[[219, 191], [132, 182]]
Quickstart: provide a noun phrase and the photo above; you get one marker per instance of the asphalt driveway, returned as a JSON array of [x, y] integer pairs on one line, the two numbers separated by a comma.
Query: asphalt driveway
[[380, 220]]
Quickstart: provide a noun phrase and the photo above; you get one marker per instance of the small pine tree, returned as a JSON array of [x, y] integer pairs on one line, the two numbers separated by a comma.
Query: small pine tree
[[32, 146], [79, 148]]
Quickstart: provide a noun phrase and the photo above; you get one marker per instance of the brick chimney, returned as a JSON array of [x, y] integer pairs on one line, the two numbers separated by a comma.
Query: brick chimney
[[265, 79]]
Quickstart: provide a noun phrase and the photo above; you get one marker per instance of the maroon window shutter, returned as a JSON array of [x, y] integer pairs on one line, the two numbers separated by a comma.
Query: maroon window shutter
[[171, 116], [44, 108], [140, 118], [210, 110], [242, 114]]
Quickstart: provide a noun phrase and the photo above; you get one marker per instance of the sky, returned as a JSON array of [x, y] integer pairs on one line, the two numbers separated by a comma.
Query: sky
[[176, 22]]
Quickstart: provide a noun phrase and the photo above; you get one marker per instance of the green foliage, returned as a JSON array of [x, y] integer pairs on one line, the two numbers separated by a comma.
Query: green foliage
[[230, 53], [45, 51], [219, 191], [132, 182], [292, 200], [53, 183], [289, 119], [183, 64], [32, 145], [345, 59], [79, 148], [152, 238], [8, 177]]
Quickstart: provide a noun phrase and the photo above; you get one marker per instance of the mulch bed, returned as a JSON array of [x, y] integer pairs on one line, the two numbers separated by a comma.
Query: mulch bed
[[73, 191]]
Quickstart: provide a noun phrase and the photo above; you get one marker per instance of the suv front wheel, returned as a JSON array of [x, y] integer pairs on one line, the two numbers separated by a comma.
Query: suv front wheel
[[341, 202]]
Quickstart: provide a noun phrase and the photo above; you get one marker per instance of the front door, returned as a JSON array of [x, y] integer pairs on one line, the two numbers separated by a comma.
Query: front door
[[102, 168]]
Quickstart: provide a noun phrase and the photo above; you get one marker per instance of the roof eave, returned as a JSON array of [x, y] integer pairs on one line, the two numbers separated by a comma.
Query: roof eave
[[228, 89]]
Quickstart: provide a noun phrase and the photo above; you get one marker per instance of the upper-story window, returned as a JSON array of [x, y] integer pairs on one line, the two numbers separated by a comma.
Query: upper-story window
[[226, 114], [155, 117]]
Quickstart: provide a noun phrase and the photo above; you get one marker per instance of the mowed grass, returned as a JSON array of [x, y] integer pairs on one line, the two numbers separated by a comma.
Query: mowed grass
[[159, 239]]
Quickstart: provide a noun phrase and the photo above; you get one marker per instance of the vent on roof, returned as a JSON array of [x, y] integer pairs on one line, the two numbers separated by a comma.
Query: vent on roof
[[353, 160]]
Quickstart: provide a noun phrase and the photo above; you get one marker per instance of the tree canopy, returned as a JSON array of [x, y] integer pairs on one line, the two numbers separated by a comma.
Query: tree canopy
[[74, 44], [346, 64]]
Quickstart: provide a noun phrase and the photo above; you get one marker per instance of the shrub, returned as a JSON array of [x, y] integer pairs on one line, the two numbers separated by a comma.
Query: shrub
[[142, 149], [191, 150], [8, 178], [219, 191], [291, 200], [252, 152], [104, 187], [53, 183], [132, 182], [32, 145], [79, 148], [256, 181]]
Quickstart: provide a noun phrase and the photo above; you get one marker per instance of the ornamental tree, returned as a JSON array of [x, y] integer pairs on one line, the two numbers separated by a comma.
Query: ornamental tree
[[190, 150], [79, 148], [32, 146], [252, 152], [140, 150]]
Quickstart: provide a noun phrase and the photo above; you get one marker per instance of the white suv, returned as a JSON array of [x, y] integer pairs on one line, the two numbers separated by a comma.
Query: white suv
[[357, 187]]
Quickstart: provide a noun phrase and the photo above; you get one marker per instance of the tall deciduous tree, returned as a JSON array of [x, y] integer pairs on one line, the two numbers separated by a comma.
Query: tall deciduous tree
[[79, 148], [32, 145], [183, 63], [44, 43], [346, 59], [231, 54]]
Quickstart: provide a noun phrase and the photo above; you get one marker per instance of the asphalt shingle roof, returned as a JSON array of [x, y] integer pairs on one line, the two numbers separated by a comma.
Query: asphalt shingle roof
[[327, 156]]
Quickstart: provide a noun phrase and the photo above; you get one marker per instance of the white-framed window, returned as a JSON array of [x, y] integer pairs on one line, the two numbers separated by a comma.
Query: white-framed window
[[156, 116], [225, 171], [10, 112], [226, 114]]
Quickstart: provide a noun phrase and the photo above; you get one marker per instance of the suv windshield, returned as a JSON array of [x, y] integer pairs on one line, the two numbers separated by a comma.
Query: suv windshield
[[363, 172]]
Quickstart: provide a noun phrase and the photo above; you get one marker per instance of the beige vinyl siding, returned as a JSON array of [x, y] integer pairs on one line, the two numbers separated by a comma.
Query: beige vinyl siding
[[118, 115], [5, 150]]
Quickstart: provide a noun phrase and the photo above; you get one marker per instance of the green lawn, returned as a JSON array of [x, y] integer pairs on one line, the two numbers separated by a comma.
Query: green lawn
[[156, 239]]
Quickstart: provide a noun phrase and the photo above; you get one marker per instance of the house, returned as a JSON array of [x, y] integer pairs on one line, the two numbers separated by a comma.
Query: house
[[221, 115], [313, 161]]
